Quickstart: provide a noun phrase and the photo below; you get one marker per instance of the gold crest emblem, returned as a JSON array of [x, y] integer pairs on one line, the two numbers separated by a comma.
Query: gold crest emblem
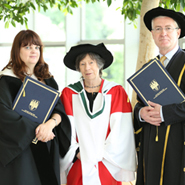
[[154, 85], [33, 105]]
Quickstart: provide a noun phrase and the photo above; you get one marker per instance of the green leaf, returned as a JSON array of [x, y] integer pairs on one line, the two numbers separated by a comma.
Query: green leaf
[[131, 5], [32, 5], [13, 23], [178, 7], [167, 3], [21, 20], [26, 24], [87, 1], [109, 2], [39, 8], [7, 6], [59, 6], [182, 2], [11, 14], [45, 8], [7, 24], [74, 4], [1, 9], [69, 10]]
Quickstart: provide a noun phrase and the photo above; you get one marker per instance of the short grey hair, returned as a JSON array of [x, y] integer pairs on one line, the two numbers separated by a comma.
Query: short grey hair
[[99, 60], [162, 17]]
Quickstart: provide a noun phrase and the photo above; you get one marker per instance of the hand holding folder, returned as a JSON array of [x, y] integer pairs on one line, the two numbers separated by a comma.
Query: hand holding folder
[[35, 101]]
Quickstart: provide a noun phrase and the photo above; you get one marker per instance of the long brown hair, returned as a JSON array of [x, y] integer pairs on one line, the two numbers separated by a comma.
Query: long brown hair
[[24, 38]]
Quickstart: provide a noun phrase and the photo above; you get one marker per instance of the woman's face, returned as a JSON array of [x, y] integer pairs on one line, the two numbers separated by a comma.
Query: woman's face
[[30, 55], [89, 68]]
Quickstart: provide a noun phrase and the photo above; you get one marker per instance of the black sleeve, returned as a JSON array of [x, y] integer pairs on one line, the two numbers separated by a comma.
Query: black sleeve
[[63, 130], [16, 132], [77, 151], [173, 113]]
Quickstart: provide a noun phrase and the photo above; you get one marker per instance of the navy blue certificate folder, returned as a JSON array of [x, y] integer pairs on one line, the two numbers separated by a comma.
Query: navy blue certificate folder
[[35, 100], [153, 82]]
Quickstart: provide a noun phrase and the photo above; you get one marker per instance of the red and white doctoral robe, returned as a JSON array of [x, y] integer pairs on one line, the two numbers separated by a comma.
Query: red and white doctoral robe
[[104, 135]]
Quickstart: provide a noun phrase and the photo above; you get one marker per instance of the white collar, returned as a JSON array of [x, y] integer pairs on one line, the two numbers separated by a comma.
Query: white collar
[[7, 72]]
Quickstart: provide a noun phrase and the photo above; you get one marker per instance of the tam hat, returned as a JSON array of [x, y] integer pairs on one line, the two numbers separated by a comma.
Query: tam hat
[[155, 12], [100, 49]]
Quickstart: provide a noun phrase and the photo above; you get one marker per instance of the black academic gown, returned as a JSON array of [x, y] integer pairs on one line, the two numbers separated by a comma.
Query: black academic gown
[[21, 162], [162, 162]]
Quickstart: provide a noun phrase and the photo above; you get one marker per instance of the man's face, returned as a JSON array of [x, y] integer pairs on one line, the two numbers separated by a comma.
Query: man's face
[[164, 33]]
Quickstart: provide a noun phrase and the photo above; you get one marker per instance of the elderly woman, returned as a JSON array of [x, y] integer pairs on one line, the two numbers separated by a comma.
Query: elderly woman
[[102, 151], [21, 162]]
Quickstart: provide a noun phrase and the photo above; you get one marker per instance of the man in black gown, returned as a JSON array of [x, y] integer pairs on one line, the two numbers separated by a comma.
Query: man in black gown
[[160, 130]]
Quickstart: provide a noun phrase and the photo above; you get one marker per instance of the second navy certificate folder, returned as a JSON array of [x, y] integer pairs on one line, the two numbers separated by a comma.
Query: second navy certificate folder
[[153, 83]]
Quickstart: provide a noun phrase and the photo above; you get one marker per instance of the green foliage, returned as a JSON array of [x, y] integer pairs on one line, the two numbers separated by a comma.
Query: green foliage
[[12, 11], [177, 5], [131, 9]]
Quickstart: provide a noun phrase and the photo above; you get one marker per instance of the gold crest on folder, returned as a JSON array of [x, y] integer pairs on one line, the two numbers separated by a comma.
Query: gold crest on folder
[[154, 85], [33, 105]]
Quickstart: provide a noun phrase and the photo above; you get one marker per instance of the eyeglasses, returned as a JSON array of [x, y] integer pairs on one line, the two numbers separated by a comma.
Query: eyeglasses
[[167, 29]]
